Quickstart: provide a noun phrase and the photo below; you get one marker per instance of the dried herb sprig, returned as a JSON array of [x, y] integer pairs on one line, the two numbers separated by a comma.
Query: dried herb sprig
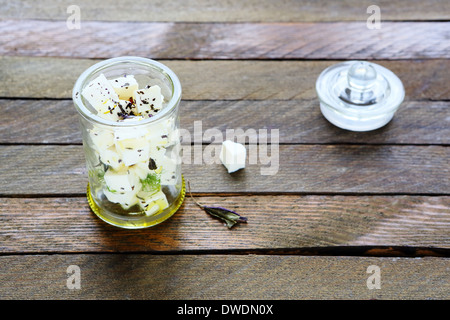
[[230, 218]]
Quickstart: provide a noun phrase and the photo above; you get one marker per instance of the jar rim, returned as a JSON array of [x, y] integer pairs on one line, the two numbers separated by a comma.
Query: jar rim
[[85, 112]]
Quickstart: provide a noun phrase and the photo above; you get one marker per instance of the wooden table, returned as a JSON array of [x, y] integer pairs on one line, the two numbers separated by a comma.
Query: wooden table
[[340, 204]]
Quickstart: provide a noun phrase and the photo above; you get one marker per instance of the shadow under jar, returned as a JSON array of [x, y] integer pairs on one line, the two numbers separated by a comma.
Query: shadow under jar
[[129, 120]]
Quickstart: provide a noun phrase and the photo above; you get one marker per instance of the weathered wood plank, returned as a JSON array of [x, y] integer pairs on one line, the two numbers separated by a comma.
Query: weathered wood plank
[[416, 122], [219, 80], [42, 169], [161, 277], [49, 225], [344, 40], [233, 10], [40, 121]]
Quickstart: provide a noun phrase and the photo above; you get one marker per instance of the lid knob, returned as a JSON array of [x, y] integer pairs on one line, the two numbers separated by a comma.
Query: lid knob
[[361, 83], [361, 76]]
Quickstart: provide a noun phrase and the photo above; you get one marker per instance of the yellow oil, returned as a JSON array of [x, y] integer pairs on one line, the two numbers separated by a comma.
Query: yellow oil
[[137, 222]]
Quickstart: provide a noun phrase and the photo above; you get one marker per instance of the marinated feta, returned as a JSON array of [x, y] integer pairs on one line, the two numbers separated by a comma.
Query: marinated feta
[[149, 100], [135, 161], [125, 86], [154, 203], [102, 96]]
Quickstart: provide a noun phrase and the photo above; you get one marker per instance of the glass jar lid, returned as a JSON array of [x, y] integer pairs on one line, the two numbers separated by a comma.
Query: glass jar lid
[[359, 90]]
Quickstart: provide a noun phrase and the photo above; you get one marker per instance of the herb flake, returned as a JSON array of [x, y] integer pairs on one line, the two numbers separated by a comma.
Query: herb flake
[[151, 183]]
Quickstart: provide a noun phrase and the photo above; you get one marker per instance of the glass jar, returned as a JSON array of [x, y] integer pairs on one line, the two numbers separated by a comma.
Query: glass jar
[[132, 158]]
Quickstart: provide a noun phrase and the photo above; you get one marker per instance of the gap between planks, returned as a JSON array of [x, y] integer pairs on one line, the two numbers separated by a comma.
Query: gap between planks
[[335, 251]]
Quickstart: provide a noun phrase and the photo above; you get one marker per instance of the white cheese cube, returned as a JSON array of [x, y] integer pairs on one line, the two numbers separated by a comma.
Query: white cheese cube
[[133, 156], [158, 135], [101, 95], [233, 155], [140, 170], [132, 145], [148, 100], [133, 151], [121, 180], [125, 86], [129, 133], [169, 171], [102, 139], [126, 199], [111, 157], [121, 187], [154, 203]]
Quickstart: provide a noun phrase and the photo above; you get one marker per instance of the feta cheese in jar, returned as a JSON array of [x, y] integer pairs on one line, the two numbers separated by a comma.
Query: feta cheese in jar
[[129, 119]]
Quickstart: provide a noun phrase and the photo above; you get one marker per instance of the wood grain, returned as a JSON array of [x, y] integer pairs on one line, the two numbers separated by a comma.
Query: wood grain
[[284, 222], [219, 80], [42, 169], [55, 121], [344, 40], [231, 10], [161, 277], [336, 203]]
